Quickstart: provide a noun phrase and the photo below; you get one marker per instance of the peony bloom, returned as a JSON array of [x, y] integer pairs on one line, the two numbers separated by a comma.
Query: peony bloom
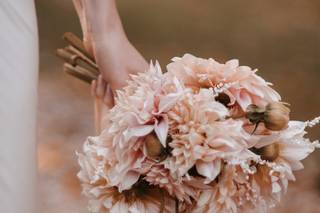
[[245, 86]]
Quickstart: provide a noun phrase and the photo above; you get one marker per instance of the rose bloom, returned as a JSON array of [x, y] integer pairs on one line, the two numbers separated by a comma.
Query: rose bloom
[[245, 86]]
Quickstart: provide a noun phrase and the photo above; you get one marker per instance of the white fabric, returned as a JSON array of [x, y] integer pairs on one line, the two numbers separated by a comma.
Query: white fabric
[[18, 89]]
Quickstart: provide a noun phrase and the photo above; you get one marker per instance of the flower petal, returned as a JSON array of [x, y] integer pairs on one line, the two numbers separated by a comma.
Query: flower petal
[[210, 170], [161, 130], [138, 131]]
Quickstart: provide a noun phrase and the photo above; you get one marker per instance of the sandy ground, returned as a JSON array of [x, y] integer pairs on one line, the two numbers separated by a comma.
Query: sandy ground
[[280, 38]]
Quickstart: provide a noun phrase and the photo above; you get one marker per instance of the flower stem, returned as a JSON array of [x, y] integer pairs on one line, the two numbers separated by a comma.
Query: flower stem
[[162, 202], [177, 206]]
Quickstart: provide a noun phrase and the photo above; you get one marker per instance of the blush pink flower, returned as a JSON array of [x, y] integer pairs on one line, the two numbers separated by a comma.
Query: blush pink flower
[[183, 188], [140, 109], [245, 86], [234, 192], [96, 161], [272, 176], [292, 147], [201, 136], [138, 199], [261, 185], [181, 140]]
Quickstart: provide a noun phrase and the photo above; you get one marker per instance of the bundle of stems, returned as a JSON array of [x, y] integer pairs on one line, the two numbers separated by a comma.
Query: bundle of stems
[[78, 61]]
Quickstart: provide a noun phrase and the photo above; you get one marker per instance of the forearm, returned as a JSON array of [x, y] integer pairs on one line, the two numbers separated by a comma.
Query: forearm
[[114, 54], [103, 18]]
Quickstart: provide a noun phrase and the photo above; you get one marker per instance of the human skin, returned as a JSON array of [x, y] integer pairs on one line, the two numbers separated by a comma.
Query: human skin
[[105, 38], [103, 102]]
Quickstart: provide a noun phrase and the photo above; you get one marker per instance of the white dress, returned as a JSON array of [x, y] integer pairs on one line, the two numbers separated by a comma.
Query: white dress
[[18, 89]]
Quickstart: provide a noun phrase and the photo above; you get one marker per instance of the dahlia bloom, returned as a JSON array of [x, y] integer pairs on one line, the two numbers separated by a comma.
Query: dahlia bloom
[[141, 108], [292, 147], [272, 176], [262, 184], [245, 86], [95, 162], [235, 191], [202, 137], [183, 188]]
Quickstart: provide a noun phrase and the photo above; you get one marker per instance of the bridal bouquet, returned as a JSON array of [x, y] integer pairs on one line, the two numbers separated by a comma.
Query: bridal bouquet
[[201, 137]]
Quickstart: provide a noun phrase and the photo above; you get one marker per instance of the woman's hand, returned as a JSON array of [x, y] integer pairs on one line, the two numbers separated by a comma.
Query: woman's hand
[[87, 38], [101, 90], [103, 35], [103, 101]]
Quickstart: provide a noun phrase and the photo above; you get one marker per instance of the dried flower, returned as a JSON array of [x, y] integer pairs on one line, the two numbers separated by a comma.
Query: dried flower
[[223, 98], [154, 148], [276, 116], [269, 152]]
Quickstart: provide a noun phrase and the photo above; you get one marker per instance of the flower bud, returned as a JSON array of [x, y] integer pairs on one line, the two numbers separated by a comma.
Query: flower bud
[[276, 116], [269, 152], [254, 113], [154, 148]]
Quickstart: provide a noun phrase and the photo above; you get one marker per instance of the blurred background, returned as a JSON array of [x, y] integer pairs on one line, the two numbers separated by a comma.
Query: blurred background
[[280, 38]]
